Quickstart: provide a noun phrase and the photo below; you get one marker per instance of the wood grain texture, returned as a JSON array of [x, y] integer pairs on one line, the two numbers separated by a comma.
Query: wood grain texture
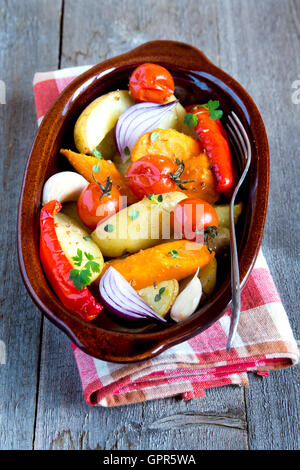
[[256, 41], [23, 50]]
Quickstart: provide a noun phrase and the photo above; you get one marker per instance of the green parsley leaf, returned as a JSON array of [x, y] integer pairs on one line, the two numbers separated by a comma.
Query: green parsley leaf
[[85, 277], [87, 238], [97, 154], [78, 258], [177, 161], [88, 256], [173, 253], [154, 136], [75, 278], [82, 277], [133, 214], [214, 112], [93, 266], [109, 228], [160, 292], [157, 199], [191, 120]]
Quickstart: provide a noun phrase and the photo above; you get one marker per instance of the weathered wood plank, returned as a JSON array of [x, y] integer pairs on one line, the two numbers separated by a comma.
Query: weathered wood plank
[[259, 45], [94, 31], [25, 35], [64, 421]]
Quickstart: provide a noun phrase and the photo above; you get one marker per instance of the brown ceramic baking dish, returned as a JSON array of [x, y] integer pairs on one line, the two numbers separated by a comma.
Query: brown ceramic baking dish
[[196, 80]]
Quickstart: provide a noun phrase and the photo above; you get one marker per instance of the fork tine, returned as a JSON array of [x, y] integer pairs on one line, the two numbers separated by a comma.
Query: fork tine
[[242, 142]]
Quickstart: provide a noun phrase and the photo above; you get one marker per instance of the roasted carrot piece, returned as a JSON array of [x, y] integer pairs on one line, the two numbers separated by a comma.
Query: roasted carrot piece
[[198, 169], [168, 143], [84, 165], [173, 260]]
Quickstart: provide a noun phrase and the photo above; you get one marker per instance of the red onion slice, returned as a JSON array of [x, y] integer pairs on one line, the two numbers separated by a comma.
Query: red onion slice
[[135, 121], [121, 299]]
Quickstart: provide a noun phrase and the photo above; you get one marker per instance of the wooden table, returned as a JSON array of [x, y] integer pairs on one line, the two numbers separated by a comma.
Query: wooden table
[[257, 42]]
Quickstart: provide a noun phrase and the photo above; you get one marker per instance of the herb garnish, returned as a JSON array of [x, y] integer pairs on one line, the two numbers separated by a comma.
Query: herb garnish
[[96, 168], [87, 238], [157, 298], [176, 176], [108, 184], [157, 199], [133, 214], [173, 253], [209, 234], [191, 120], [109, 228], [154, 136], [212, 106], [97, 154], [82, 277]]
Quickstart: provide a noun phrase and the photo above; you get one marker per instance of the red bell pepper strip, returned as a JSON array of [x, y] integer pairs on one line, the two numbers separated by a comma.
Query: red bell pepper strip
[[215, 142], [57, 268]]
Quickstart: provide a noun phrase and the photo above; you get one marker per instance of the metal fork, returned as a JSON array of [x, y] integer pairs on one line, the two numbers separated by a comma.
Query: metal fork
[[240, 141]]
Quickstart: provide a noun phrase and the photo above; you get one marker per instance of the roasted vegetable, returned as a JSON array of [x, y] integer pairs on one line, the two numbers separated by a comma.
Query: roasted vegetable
[[63, 187], [208, 278], [167, 142], [198, 169], [85, 164], [138, 226], [188, 300], [175, 260], [223, 213], [160, 296], [58, 267], [205, 119], [72, 237], [98, 118]]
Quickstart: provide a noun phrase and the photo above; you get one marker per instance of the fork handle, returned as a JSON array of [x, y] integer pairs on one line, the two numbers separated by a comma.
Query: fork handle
[[235, 280]]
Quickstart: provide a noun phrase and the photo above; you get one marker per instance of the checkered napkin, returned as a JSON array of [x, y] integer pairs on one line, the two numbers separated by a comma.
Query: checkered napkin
[[264, 340]]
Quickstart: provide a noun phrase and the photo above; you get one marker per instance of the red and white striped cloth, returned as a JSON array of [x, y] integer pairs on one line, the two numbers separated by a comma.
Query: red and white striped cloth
[[264, 339]]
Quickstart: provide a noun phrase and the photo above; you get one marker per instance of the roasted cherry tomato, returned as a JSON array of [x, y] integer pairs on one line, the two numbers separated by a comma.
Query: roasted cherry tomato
[[192, 218], [97, 202], [155, 174], [215, 141], [151, 82]]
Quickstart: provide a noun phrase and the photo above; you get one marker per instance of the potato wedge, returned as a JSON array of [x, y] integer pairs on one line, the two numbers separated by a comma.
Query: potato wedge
[[160, 296], [222, 241], [72, 237], [175, 118], [98, 118], [208, 278], [139, 226], [223, 213], [70, 209]]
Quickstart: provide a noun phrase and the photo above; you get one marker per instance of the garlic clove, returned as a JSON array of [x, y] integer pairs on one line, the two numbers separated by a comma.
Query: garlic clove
[[63, 187], [188, 300]]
